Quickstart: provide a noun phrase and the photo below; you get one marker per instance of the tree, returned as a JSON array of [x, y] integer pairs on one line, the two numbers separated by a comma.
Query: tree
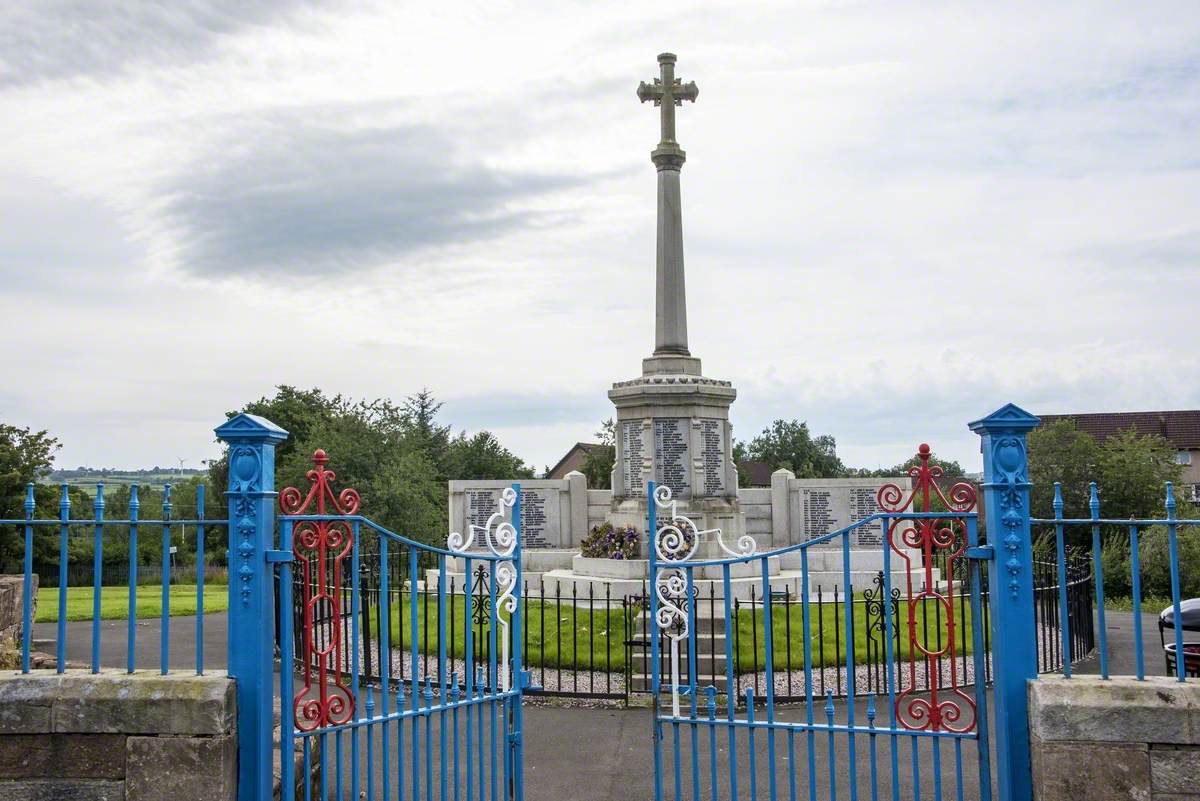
[[482, 457], [740, 455], [952, 471], [789, 444], [598, 463], [1130, 469], [1133, 471], [398, 457], [1061, 452], [25, 457], [419, 414]]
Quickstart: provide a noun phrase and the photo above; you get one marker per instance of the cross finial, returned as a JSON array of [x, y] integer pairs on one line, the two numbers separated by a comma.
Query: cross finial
[[667, 92]]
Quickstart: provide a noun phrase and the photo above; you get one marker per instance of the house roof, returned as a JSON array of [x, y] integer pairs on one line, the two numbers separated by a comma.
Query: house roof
[[578, 450], [1180, 428], [757, 473]]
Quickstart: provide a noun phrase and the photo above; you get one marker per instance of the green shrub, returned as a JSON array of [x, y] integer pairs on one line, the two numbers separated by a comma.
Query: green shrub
[[1154, 562], [1114, 558]]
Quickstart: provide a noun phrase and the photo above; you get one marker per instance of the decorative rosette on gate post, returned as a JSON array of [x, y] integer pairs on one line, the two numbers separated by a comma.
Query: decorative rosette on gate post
[[320, 547], [934, 538]]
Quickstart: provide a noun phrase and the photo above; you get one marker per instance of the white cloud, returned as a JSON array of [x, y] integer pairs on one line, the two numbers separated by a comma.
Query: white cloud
[[897, 216]]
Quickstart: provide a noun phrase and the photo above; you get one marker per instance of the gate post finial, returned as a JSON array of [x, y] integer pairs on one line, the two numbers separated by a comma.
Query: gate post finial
[[1010, 586], [251, 642]]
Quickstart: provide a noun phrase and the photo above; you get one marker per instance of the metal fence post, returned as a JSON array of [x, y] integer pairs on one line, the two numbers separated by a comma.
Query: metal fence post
[[1010, 577], [251, 642]]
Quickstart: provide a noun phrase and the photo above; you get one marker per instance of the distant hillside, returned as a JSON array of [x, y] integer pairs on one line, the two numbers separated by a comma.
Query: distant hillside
[[86, 478]]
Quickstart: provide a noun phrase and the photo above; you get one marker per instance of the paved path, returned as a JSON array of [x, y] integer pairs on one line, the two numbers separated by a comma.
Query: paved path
[[602, 754]]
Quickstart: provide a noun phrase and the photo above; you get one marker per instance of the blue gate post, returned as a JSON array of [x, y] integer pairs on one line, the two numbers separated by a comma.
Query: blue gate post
[[251, 646], [1010, 587]]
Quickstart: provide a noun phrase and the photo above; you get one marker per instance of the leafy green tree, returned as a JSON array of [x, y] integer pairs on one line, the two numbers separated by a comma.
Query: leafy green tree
[[421, 429], [482, 456], [25, 457], [952, 471], [1132, 473], [398, 457], [1130, 469], [788, 443], [598, 463], [1061, 452]]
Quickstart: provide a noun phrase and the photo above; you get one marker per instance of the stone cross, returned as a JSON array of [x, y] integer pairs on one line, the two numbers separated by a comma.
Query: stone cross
[[667, 92], [671, 353]]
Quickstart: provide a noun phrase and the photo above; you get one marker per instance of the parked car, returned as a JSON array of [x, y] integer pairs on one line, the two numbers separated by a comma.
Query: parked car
[[1189, 621]]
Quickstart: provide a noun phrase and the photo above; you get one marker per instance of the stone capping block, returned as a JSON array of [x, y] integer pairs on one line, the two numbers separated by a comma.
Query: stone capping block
[[79, 702], [1089, 709]]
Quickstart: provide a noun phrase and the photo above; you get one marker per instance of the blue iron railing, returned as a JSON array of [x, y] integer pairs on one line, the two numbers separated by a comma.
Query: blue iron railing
[[1134, 528], [105, 532], [415, 726]]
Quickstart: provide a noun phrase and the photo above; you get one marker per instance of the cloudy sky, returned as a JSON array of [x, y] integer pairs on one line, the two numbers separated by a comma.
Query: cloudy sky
[[897, 216]]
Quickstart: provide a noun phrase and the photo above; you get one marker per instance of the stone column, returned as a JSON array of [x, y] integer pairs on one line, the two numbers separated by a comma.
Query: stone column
[[670, 296], [578, 517], [781, 507]]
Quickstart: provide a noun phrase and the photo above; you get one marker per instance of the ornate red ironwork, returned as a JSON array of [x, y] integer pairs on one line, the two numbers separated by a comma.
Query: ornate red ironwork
[[320, 546], [947, 707]]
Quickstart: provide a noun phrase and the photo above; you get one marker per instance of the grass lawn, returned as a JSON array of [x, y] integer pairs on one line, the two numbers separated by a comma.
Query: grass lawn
[[555, 635], [828, 633], [1150, 604], [114, 601], [576, 637]]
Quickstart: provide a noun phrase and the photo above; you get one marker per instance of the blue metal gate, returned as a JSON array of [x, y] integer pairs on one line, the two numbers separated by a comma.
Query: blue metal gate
[[922, 734], [442, 717]]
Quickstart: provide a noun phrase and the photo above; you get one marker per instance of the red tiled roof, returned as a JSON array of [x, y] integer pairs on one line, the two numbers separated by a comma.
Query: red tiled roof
[[1180, 428]]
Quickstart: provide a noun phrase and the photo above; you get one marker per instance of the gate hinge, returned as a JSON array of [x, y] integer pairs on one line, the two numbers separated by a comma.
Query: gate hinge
[[525, 680], [514, 737], [278, 556], [985, 552]]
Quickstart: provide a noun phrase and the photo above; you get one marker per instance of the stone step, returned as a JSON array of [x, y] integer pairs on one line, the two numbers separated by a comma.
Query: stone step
[[706, 644], [640, 682], [706, 627]]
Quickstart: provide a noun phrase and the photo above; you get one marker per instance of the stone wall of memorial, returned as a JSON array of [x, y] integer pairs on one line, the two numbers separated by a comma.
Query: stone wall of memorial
[[806, 509], [554, 512], [691, 455], [558, 513]]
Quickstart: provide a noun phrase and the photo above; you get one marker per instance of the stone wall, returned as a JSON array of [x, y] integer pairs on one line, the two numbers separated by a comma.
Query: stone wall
[[1115, 739], [11, 596], [558, 513], [117, 737]]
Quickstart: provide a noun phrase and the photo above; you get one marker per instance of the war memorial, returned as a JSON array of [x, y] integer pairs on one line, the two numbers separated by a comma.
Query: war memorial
[[357, 661], [673, 428]]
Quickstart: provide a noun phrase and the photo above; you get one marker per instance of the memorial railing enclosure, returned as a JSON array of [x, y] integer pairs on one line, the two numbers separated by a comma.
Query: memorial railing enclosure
[[1052, 613], [596, 646]]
